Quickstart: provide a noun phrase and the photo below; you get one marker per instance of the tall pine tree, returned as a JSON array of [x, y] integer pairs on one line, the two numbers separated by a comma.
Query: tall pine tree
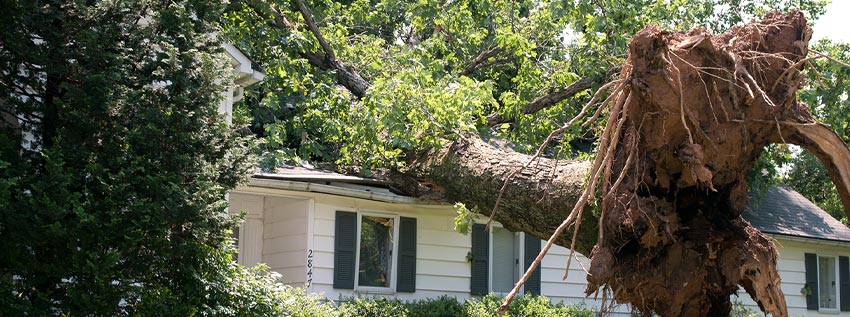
[[114, 162]]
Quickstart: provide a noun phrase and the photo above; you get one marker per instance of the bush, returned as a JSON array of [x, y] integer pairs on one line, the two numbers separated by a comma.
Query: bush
[[300, 304], [377, 307], [525, 306], [443, 306]]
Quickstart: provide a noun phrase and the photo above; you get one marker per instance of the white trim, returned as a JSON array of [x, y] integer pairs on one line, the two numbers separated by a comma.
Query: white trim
[[809, 240], [245, 74], [394, 254], [333, 190]]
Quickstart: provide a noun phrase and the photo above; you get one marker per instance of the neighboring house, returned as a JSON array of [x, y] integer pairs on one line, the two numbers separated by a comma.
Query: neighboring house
[[813, 253], [348, 236]]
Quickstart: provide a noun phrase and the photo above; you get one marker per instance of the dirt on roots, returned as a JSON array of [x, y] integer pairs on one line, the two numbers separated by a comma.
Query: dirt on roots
[[690, 117]]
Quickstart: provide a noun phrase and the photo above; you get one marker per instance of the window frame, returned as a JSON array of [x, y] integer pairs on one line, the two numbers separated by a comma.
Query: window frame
[[521, 256], [834, 258], [394, 254]]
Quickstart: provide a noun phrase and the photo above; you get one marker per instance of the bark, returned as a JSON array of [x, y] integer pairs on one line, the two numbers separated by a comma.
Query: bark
[[536, 201]]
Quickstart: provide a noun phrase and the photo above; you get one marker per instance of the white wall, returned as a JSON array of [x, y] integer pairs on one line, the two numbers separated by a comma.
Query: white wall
[[285, 237], [440, 256], [571, 290], [442, 268], [792, 270], [251, 231]]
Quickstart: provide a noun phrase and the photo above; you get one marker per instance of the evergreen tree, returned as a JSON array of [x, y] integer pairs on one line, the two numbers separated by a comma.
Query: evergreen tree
[[114, 162]]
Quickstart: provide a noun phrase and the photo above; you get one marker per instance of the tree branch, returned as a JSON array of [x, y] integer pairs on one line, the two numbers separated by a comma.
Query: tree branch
[[279, 19], [479, 58], [551, 98], [345, 75], [308, 18]]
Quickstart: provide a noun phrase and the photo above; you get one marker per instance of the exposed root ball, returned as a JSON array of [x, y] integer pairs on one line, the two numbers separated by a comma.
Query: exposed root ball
[[699, 110]]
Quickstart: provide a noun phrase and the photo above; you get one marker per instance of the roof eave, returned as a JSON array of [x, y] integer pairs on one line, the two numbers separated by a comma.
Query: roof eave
[[804, 239]]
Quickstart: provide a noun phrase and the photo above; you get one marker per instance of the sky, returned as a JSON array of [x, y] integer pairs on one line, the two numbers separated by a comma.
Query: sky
[[835, 23]]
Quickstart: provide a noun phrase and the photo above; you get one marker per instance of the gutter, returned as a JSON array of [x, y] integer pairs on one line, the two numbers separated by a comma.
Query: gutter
[[332, 190], [835, 243]]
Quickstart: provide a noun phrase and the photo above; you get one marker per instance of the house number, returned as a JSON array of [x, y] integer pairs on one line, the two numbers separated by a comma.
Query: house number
[[309, 267]]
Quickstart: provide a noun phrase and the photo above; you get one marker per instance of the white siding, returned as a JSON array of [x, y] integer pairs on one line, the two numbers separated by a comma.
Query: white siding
[[792, 271], [285, 237], [571, 290], [442, 268], [251, 231], [441, 252]]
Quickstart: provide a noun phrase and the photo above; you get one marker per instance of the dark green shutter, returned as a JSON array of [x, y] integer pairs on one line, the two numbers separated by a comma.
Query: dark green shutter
[[479, 280], [532, 249], [406, 278], [811, 261], [345, 247], [844, 282]]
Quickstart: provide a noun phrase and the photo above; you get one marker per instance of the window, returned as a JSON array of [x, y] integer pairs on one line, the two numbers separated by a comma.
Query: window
[[375, 263], [504, 260], [499, 258], [374, 252], [827, 282]]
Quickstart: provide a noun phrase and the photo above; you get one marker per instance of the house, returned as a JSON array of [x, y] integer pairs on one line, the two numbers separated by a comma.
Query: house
[[349, 236], [813, 252]]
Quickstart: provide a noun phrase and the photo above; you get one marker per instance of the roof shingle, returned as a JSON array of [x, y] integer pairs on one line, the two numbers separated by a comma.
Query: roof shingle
[[786, 212]]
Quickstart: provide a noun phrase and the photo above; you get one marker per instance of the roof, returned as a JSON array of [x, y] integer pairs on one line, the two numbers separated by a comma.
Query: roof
[[784, 211], [294, 173]]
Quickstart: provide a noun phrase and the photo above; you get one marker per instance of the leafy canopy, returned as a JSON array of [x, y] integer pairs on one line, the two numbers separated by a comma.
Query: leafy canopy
[[440, 68]]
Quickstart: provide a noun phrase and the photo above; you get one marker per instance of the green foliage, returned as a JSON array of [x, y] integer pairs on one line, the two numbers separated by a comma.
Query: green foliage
[[809, 178], [766, 172], [377, 307], [115, 206], [739, 310], [523, 306], [443, 306], [464, 218], [446, 306], [418, 56]]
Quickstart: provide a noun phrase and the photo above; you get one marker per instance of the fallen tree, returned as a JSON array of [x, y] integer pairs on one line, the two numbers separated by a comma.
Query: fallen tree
[[687, 117], [691, 114]]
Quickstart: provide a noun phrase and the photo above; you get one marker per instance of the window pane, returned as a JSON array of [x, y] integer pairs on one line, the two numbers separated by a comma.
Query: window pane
[[826, 282], [376, 249], [505, 260]]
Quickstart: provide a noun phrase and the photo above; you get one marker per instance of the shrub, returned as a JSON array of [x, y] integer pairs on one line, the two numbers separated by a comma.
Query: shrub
[[298, 303], [375, 307], [443, 306], [523, 306]]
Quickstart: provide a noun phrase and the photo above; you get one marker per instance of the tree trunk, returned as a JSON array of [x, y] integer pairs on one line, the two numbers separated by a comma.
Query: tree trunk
[[536, 200]]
